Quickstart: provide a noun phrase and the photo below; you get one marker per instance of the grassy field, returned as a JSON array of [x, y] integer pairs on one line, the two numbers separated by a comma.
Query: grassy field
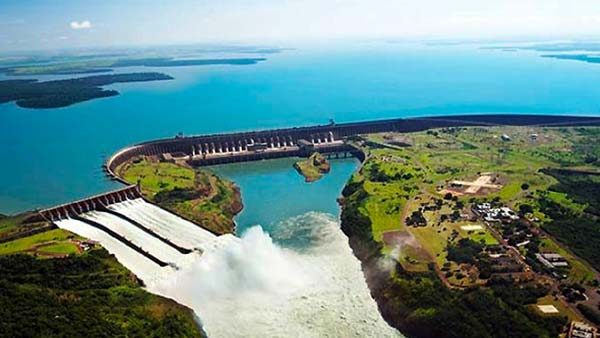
[[193, 193], [156, 177], [53, 242], [399, 180], [560, 306]]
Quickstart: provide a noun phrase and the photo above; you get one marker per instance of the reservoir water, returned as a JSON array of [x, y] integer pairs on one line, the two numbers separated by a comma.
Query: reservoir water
[[53, 156]]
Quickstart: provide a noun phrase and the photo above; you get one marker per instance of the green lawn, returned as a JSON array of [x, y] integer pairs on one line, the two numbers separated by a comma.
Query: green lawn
[[63, 248], [564, 310], [158, 176], [30, 242], [384, 216], [434, 242]]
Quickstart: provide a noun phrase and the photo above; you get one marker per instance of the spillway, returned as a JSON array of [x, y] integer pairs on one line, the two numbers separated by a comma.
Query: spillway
[[148, 240], [139, 237], [143, 267], [170, 226], [264, 288]]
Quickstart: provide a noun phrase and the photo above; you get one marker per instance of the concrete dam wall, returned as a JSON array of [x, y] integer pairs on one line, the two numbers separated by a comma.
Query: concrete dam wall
[[144, 237], [265, 144]]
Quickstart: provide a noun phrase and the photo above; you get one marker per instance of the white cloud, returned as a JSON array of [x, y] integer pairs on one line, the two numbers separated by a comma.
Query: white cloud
[[81, 24]]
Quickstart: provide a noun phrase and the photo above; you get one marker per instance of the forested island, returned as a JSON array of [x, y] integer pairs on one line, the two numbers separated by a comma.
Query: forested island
[[63, 93]]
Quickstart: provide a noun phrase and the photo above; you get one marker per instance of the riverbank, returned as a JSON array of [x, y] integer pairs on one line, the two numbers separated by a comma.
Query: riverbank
[[412, 229]]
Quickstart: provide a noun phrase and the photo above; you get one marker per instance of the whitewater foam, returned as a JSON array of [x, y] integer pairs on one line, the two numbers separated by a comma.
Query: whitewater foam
[[259, 288], [304, 281]]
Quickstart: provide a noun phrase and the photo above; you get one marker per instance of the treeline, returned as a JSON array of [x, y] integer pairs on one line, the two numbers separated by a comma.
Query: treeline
[[579, 231], [83, 296], [62, 93], [170, 62], [582, 187], [103, 66]]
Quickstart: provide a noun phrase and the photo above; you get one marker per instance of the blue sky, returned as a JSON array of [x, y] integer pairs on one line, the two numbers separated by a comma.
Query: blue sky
[[45, 24]]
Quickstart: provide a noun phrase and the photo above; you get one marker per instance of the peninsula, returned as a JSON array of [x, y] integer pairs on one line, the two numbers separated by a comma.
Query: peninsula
[[194, 193], [63, 93]]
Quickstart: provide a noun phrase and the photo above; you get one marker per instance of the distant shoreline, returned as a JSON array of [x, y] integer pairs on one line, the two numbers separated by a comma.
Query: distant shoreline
[[63, 93], [30, 93]]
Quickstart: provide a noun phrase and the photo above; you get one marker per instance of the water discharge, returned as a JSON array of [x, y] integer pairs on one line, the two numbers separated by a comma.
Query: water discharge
[[294, 275], [258, 288], [309, 285]]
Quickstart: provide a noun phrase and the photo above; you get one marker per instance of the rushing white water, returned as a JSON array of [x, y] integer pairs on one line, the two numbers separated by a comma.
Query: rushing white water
[[143, 267], [140, 238], [166, 224], [312, 288], [303, 282]]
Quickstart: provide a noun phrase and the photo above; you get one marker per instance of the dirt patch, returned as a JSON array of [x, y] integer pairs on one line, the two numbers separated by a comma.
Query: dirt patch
[[482, 185]]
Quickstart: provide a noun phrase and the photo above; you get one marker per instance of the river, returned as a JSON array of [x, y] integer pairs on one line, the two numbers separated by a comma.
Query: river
[[293, 273]]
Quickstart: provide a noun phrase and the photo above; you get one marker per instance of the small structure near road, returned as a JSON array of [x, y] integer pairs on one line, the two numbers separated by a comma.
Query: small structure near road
[[552, 260], [582, 330], [548, 309]]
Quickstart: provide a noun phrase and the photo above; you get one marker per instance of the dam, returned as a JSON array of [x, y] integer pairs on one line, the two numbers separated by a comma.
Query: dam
[[205, 150], [139, 231], [148, 240], [251, 280]]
